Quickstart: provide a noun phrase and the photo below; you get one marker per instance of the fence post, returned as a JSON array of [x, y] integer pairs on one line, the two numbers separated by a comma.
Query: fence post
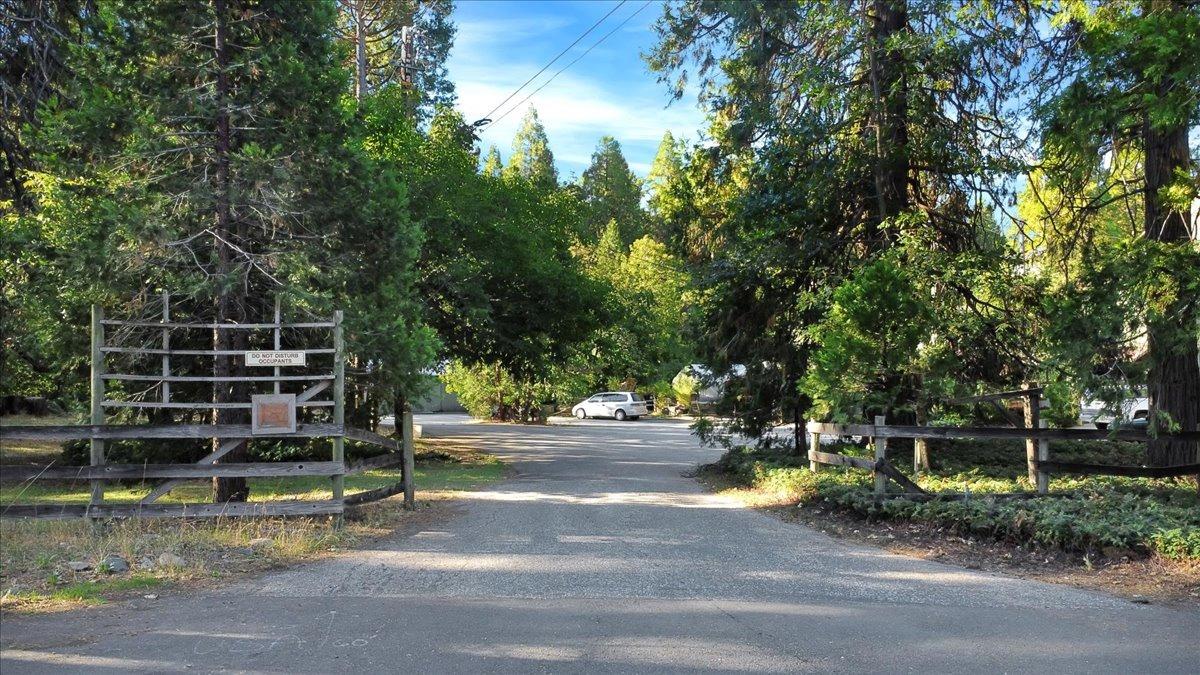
[[920, 445], [339, 407], [166, 345], [278, 335], [880, 443], [409, 465], [814, 446], [1043, 455], [97, 446], [1033, 414]]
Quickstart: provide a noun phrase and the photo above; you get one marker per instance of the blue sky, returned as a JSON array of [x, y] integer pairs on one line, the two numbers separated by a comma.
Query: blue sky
[[610, 91]]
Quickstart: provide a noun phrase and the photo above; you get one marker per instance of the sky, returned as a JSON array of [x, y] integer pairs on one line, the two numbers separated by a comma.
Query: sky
[[500, 44]]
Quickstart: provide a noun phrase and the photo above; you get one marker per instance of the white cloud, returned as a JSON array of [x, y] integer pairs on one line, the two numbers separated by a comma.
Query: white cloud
[[576, 112]]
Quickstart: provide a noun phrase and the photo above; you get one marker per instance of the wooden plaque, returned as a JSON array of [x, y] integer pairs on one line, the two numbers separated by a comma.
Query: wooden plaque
[[273, 414]]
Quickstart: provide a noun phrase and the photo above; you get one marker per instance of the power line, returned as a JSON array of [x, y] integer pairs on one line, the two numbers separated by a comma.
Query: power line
[[560, 54], [577, 58]]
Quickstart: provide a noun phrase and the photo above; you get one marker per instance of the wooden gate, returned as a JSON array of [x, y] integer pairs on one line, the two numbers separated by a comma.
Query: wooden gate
[[312, 389]]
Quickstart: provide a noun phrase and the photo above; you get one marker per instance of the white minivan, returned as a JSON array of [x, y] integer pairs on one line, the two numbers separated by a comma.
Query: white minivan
[[619, 405]]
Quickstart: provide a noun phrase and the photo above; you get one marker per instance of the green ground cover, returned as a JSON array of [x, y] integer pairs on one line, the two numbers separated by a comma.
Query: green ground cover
[[1139, 515]]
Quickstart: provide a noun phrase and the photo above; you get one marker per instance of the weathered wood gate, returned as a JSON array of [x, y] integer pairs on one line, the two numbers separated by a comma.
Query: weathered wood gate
[[226, 437]]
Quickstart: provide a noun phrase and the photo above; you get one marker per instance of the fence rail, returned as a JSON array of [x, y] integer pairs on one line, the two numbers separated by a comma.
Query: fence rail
[[400, 454], [1003, 433], [220, 326], [1040, 465], [117, 432], [230, 509]]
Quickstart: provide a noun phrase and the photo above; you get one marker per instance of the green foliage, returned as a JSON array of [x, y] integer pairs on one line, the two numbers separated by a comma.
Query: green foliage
[[524, 304], [644, 337], [684, 386], [671, 201], [1178, 543], [867, 343], [488, 391], [492, 166], [1141, 515], [849, 218]]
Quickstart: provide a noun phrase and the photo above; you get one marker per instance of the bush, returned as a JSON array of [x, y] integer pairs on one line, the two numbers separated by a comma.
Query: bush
[[1178, 543]]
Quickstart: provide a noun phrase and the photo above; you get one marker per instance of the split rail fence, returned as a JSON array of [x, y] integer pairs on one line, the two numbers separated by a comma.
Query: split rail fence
[[1041, 465], [225, 438]]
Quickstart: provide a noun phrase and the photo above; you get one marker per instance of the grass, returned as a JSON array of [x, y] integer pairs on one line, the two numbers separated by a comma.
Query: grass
[[433, 475], [34, 553], [32, 452], [1111, 515], [94, 592]]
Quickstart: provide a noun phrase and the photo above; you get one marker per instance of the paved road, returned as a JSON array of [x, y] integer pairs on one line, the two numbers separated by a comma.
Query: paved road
[[599, 556]]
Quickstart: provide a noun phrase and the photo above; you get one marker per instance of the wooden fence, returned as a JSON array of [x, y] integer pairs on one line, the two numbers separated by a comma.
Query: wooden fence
[[1041, 465], [400, 453], [225, 437]]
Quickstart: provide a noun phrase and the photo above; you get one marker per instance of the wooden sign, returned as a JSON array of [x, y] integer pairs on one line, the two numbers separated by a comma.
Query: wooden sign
[[275, 358], [273, 414]]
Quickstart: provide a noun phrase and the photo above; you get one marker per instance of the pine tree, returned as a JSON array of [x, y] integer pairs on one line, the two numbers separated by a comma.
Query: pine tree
[[612, 192], [375, 31], [202, 149], [610, 250], [531, 158], [1137, 88]]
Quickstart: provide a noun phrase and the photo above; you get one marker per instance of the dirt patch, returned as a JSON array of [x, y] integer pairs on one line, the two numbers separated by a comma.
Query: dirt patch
[[1121, 573]]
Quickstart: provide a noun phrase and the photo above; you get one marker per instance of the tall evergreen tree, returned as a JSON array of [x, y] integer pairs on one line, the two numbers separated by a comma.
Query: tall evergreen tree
[[531, 158], [200, 144], [612, 193], [671, 200], [1136, 94], [841, 131]]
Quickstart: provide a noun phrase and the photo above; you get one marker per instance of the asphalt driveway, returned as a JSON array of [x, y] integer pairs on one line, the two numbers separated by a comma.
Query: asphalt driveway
[[601, 555]]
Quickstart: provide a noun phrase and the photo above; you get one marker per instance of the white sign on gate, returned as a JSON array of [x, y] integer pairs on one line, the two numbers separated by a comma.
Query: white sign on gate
[[275, 358]]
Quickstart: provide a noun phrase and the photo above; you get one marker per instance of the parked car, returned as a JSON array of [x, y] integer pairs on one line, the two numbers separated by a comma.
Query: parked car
[[619, 405], [1135, 413]]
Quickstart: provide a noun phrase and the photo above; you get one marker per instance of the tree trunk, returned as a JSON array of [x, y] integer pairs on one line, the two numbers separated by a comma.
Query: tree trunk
[[889, 88], [225, 489], [360, 52], [1174, 377]]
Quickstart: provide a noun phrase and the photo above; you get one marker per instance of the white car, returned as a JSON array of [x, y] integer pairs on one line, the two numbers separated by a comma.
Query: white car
[[1101, 416], [619, 405]]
